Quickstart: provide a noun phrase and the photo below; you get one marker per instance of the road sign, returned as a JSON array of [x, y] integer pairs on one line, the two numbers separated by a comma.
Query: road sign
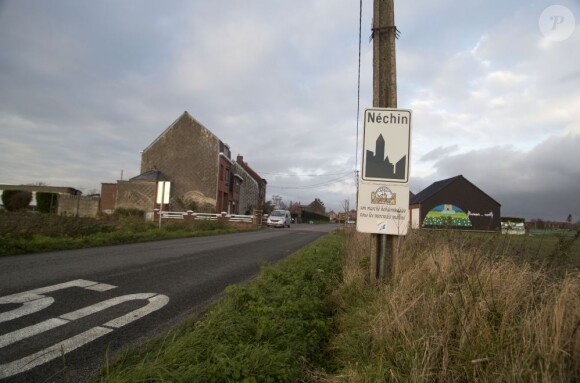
[[163, 189], [383, 196], [386, 145]]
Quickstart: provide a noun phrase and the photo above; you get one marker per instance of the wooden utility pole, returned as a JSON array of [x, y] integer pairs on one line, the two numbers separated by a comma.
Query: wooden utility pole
[[384, 55], [384, 262]]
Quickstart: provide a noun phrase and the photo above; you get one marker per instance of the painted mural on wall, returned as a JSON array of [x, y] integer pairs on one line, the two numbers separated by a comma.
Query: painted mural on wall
[[447, 215]]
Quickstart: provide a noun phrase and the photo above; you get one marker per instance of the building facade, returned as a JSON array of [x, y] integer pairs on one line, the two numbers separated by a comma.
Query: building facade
[[198, 165], [454, 203], [253, 196]]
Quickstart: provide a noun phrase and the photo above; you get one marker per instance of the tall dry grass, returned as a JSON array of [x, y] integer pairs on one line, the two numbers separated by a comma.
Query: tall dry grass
[[457, 312]]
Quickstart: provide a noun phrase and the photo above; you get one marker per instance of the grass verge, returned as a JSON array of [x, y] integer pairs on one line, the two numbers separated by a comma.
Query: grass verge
[[271, 329], [35, 233], [463, 308]]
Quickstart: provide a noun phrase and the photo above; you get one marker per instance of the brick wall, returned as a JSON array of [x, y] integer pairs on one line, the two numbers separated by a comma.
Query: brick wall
[[249, 191], [78, 206], [187, 153], [108, 197], [136, 195]]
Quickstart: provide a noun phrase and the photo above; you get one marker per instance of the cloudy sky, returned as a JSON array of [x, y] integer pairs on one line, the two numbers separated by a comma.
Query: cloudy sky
[[494, 87]]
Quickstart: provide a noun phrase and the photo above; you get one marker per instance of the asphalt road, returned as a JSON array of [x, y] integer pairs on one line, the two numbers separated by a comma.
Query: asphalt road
[[62, 313]]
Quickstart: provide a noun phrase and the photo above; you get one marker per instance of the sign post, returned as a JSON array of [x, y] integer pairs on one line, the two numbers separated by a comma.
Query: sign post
[[384, 257]]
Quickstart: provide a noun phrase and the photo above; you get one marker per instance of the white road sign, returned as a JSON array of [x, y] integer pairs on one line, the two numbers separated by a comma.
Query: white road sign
[[163, 189], [383, 196], [386, 145]]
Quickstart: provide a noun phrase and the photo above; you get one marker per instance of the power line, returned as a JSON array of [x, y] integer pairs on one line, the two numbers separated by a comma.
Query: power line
[[314, 186], [304, 175], [358, 85]]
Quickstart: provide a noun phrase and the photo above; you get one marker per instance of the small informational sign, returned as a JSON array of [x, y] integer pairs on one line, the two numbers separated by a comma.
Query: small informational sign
[[383, 196], [163, 189], [382, 209]]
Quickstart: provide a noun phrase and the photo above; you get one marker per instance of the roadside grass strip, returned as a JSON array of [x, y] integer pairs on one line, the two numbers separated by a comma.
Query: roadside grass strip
[[275, 328], [26, 237], [465, 307]]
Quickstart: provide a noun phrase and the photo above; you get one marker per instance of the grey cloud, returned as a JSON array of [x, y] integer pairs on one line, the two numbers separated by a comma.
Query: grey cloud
[[439, 152], [543, 182], [570, 76]]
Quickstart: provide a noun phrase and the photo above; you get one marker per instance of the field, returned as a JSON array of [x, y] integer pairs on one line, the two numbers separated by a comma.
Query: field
[[464, 307]]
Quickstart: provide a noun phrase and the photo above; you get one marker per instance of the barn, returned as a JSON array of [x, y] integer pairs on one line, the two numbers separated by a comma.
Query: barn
[[454, 203]]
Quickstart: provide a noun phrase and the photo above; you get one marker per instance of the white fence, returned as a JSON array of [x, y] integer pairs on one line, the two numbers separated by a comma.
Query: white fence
[[208, 216]]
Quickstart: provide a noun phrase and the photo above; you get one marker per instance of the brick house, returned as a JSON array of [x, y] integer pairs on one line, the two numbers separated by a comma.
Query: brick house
[[199, 167], [254, 193]]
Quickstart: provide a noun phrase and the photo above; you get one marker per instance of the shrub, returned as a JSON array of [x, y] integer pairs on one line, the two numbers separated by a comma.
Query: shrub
[[129, 212], [46, 202], [14, 200]]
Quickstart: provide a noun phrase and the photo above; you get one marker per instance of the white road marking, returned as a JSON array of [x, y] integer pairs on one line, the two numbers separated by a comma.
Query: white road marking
[[61, 286], [81, 313], [100, 287], [52, 352], [27, 332], [155, 303], [28, 307], [33, 301], [19, 298]]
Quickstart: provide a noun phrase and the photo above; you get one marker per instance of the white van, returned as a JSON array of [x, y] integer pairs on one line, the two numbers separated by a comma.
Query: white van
[[279, 218]]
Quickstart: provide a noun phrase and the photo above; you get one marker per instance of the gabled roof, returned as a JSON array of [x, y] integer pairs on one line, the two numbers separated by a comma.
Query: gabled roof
[[251, 172], [436, 187], [185, 115], [151, 175]]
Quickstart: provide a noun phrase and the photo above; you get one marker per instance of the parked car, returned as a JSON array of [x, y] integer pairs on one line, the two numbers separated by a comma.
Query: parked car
[[280, 218]]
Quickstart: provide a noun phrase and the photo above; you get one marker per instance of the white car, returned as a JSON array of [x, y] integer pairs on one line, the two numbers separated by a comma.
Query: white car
[[280, 218]]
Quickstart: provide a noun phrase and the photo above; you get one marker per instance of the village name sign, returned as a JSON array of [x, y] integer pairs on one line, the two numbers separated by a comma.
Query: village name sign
[[383, 195]]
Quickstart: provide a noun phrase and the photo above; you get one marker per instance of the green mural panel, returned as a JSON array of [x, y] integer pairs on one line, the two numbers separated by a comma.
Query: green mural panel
[[447, 215]]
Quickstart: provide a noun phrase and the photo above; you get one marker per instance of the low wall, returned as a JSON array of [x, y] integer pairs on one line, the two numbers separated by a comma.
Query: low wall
[[78, 205]]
